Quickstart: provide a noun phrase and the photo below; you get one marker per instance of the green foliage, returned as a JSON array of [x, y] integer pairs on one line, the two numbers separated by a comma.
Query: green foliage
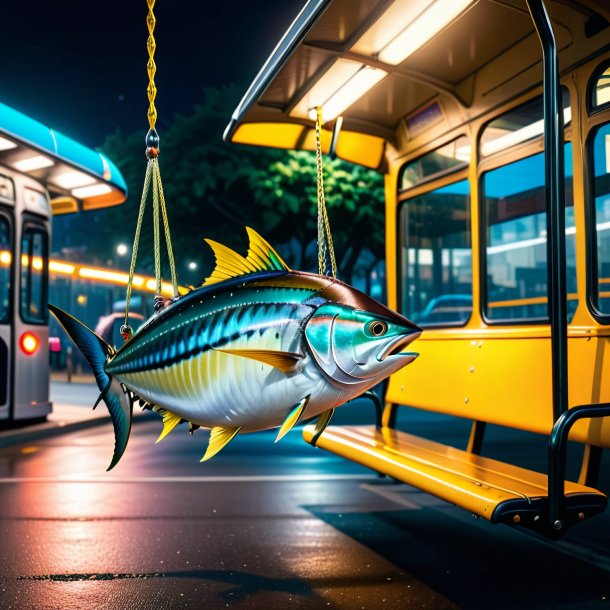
[[214, 189]]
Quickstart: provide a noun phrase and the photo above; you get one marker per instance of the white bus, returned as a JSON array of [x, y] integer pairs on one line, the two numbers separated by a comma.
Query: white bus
[[42, 173]]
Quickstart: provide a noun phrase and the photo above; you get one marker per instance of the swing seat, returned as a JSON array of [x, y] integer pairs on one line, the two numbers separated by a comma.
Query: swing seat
[[493, 490]]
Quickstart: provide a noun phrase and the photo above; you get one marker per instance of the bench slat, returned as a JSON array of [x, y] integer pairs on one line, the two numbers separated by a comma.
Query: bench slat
[[488, 488]]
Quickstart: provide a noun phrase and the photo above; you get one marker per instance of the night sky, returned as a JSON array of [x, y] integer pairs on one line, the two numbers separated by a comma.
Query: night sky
[[80, 66]]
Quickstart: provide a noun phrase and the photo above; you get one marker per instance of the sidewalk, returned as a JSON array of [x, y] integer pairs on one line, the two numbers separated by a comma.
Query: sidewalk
[[72, 410]]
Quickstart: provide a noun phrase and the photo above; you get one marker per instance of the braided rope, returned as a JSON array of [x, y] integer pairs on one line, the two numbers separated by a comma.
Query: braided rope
[[325, 240], [151, 67]]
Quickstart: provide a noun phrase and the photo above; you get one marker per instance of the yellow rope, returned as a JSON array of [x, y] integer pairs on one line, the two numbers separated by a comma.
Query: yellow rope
[[151, 67], [325, 240], [153, 176], [126, 329], [168, 238]]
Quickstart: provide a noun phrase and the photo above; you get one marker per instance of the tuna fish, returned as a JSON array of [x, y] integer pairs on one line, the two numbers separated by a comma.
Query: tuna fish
[[257, 346]]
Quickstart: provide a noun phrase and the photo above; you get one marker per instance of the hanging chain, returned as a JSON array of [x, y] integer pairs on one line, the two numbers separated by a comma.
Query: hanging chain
[[152, 179], [151, 67], [326, 251]]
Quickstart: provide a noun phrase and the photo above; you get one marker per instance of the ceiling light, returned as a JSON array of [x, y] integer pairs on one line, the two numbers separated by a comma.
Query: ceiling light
[[33, 163], [340, 86], [6, 144], [72, 179], [366, 78], [91, 191], [421, 29]]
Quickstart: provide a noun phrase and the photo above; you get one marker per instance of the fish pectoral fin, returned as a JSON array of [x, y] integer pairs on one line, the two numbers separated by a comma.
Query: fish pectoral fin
[[284, 361], [321, 424], [293, 418], [170, 421], [261, 257], [219, 437]]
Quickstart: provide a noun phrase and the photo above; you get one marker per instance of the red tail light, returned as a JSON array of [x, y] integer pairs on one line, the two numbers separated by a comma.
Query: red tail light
[[28, 342]]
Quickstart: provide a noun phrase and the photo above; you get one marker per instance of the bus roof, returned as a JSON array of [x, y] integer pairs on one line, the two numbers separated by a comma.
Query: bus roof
[[72, 172], [395, 69]]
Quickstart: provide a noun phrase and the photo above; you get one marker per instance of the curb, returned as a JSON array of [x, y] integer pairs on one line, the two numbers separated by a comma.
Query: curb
[[48, 429]]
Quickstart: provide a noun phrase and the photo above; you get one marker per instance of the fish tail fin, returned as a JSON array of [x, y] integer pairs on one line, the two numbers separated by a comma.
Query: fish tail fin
[[97, 352]]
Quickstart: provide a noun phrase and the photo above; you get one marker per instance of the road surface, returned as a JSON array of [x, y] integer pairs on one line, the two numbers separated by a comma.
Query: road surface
[[266, 526]]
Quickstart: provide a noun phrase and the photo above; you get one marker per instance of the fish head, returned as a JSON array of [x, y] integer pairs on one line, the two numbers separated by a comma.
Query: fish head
[[360, 346]]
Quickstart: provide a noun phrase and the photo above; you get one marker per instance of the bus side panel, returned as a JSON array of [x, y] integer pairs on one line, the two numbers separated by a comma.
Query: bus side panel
[[6, 288], [31, 378], [31, 359], [505, 381]]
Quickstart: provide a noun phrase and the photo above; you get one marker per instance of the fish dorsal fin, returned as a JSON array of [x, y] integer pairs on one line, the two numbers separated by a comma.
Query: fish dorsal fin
[[170, 421], [292, 419], [284, 361], [261, 257], [219, 437]]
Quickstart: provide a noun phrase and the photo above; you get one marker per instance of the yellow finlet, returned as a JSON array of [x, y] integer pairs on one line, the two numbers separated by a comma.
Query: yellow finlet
[[219, 437], [292, 419], [321, 424], [170, 421], [283, 361], [261, 257]]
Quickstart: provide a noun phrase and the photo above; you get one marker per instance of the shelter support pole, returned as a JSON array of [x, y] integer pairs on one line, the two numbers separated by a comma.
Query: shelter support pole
[[555, 202]]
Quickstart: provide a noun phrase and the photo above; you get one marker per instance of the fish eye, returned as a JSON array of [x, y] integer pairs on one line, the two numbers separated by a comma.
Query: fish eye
[[377, 328]]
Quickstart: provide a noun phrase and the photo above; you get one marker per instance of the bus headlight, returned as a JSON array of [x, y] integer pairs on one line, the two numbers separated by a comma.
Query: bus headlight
[[28, 342]]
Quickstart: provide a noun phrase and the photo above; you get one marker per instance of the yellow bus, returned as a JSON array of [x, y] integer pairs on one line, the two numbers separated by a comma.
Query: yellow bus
[[490, 120]]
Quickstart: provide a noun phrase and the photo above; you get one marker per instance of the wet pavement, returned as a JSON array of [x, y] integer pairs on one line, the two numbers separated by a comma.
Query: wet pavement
[[266, 526]]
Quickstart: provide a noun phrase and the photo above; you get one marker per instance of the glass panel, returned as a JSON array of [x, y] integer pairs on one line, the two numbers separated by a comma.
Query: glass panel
[[601, 193], [515, 217], [519, 125], [452, 156], [436, 266], [601, 94], [5, 269], [34, 265]]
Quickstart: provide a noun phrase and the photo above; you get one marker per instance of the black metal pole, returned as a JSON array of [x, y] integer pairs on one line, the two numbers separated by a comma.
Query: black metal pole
[[557, 458], [555, 201]]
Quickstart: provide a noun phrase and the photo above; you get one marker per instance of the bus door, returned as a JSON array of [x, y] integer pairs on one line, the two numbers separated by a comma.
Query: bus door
[[31, 372], [6, 277]]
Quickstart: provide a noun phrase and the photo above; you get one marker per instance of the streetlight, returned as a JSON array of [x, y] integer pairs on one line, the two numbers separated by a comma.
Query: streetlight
[[122, 249], [192, 266]]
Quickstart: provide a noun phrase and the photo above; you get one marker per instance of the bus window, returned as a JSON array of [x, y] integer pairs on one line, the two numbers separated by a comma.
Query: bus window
[[34, 265], [601, 90], [436, 261], [449, 157], [519, 125], [514, 217], [601, 193], [5, 269]]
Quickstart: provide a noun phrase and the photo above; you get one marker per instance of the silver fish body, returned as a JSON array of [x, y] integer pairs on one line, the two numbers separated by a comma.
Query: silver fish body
[[184, 359]]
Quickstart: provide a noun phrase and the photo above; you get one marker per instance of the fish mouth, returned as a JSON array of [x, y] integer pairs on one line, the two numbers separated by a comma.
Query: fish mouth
[[394, 348]]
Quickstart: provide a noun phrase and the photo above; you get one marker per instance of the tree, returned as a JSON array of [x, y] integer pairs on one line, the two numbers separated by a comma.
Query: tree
[[214, 189], [286, 192]]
